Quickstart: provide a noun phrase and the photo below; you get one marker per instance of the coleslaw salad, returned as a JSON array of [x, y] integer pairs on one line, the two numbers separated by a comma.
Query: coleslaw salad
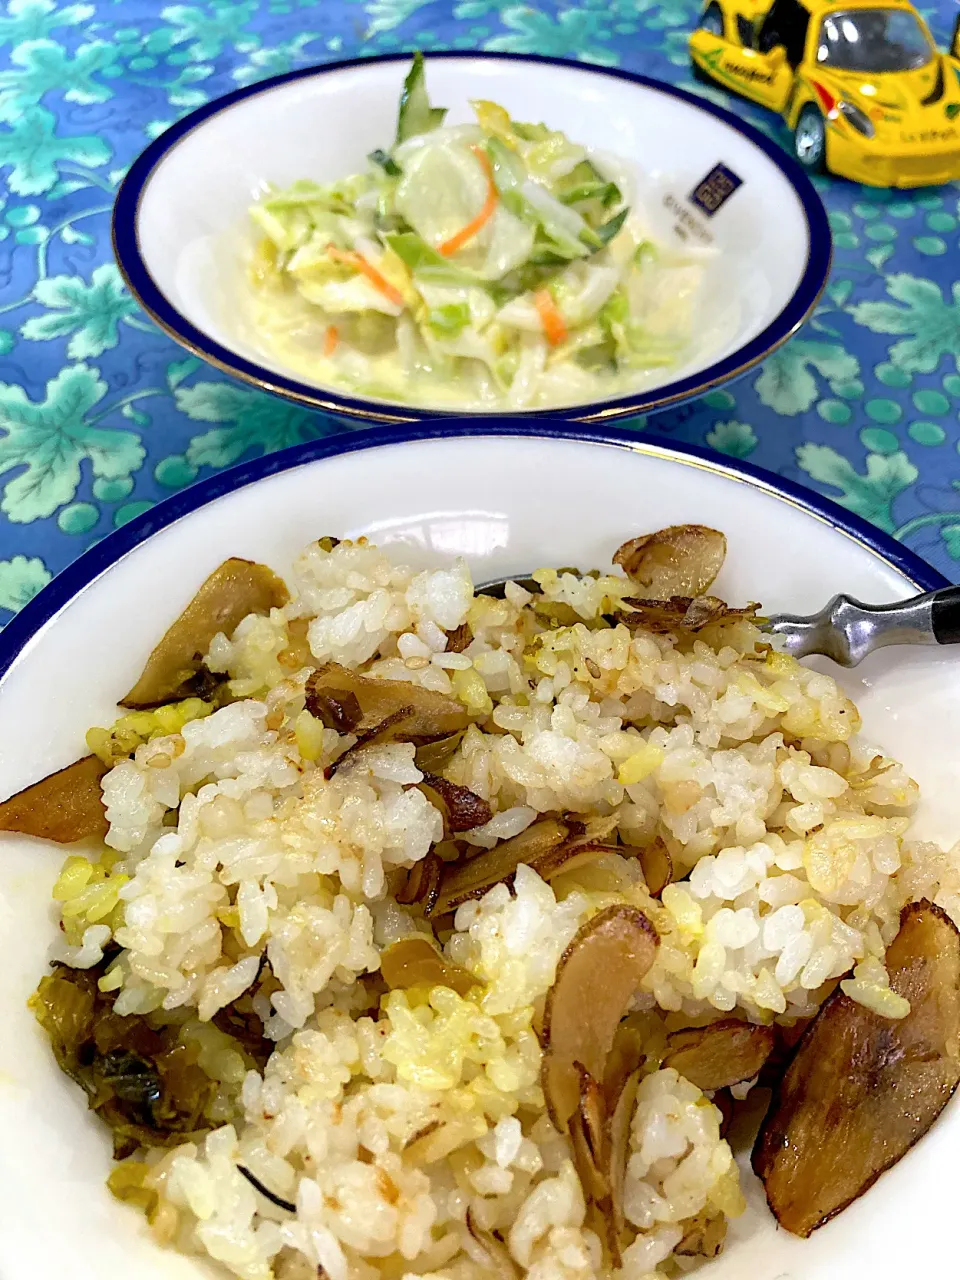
[[491, 265]]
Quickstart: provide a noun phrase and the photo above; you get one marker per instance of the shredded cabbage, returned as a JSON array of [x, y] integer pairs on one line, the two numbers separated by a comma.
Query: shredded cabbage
[[494, 264]]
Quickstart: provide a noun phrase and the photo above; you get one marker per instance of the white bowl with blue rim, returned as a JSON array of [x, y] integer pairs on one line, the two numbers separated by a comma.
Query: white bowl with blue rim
[[180, 213], [433, 491]]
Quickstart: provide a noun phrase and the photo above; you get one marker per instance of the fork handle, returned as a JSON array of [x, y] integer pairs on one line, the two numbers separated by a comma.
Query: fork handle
[[945, 615], [846, 630]]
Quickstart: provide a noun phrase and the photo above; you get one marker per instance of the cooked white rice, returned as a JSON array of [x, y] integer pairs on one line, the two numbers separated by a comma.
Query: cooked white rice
[[230, 846]]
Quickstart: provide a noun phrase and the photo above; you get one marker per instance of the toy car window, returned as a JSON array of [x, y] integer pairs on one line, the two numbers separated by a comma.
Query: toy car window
[[786, 24], [712, 20], [873, 41], [745, 32]]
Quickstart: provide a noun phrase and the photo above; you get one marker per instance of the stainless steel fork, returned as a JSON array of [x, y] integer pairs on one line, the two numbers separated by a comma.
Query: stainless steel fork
[[846, 630]]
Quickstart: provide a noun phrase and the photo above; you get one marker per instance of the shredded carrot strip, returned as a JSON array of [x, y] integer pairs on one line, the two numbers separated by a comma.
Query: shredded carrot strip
[[359, 263], [554, 325], [483, 217], [331, 340]]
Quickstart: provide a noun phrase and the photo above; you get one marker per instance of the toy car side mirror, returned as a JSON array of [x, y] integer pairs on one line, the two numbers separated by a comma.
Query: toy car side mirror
[[777, 56]]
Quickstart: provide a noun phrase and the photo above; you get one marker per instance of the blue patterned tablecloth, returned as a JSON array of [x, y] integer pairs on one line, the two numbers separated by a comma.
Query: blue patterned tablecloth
[[101, 415]]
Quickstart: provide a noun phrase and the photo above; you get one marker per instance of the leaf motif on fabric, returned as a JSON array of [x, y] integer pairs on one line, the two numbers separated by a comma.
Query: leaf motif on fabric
[[50, 439], [43, 66], [870, 495], [34, 19], [90, 312], [929, 320], [276, 61], [735, 439], [786, 383], [384, 15], [211, 401], [20, 580], [32, 149], [179, 370], [251, 420], [208, 29], [533, 31]]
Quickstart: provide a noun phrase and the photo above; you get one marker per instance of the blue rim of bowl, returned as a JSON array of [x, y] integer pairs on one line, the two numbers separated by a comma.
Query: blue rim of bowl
[[76, 577], [133, 268]]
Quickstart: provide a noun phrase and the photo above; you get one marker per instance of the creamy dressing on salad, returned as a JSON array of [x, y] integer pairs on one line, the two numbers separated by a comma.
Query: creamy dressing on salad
[[495, 265]]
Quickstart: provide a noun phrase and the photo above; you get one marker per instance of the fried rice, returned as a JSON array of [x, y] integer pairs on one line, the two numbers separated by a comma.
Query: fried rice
[[397, 1133]]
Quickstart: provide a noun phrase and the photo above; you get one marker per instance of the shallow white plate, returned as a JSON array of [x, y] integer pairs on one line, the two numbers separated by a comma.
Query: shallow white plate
[[181, 214], [508, 502]]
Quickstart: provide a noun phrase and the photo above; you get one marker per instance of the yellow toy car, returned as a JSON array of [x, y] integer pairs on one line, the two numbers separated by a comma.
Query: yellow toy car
[[860, 83]]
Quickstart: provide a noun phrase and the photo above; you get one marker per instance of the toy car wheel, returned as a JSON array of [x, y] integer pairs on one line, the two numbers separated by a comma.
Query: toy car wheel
[[810, 140]]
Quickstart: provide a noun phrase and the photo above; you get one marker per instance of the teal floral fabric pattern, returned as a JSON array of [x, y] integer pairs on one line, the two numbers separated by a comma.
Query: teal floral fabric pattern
[[102, 416]]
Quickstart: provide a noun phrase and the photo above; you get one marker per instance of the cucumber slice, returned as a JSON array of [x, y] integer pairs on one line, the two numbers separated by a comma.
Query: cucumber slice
[[607, 230], [385, 162], [416, 115], [586, 182], [606, 192], [419, 258]]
